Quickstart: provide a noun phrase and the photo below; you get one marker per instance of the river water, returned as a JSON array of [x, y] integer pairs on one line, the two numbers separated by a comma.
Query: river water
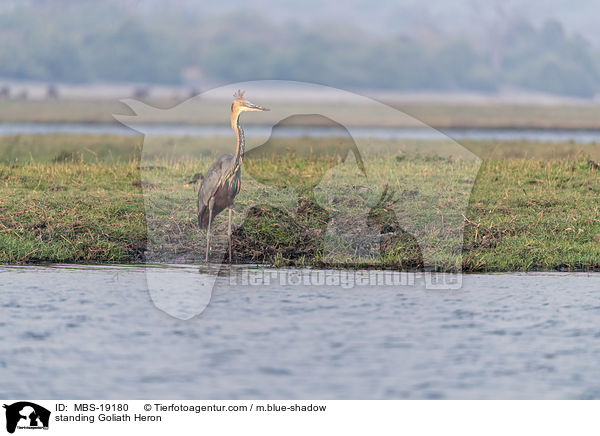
[[93, 332], [546, 135]]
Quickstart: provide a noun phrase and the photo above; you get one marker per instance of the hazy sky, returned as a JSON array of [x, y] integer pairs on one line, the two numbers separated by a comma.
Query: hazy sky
[[469, 16], [382, 16]]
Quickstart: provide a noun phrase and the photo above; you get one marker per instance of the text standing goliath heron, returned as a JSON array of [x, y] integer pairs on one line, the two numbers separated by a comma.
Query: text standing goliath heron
[[222, 181]]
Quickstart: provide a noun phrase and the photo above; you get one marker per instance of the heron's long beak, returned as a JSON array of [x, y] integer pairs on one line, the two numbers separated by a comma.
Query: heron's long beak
[[255, 107]]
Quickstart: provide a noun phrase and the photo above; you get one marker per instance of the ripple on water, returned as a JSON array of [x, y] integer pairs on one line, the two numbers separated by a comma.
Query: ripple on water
[[274, 371], [37, 336], [225, 356], [153, 379]]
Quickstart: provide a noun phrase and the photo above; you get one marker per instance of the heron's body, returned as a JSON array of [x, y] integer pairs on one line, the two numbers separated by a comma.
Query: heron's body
[[224, 193], [223, 179]]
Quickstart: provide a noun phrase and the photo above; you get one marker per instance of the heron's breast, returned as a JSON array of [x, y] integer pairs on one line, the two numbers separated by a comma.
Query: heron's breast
[[227, 192]]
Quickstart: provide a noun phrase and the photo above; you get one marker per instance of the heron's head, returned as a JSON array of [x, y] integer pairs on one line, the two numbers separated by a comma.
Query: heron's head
[[240, 104]]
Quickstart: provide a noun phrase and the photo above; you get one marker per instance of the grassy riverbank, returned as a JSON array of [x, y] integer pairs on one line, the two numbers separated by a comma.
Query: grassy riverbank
[[81, 199]]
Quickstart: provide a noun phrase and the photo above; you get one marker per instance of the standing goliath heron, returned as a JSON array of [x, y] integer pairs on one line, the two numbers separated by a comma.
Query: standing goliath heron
[[222, 181]]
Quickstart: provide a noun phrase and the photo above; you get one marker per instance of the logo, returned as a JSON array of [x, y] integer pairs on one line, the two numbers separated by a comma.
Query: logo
[[26, 415], [314, 185]]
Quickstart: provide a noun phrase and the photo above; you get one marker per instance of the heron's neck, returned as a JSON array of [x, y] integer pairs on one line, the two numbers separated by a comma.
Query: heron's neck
[[241, 142]]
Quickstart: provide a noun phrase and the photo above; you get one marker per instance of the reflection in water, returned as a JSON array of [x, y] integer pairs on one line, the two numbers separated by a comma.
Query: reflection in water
[[181, 291], [93, 332]]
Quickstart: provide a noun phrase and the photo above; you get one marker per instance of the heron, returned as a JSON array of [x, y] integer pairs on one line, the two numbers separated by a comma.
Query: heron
[[222, 181]]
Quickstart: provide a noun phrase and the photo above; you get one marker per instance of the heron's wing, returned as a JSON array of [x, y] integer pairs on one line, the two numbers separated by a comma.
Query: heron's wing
[[211, 180]]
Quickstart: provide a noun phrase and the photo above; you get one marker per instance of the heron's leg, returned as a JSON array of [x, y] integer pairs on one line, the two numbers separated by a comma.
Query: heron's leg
[[210, 209], [229, 233]]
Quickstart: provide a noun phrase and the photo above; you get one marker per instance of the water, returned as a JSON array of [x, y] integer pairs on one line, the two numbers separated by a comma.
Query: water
[[546, 135], [92, 332]]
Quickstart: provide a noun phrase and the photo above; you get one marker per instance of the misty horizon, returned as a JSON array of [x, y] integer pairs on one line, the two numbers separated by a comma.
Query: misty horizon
[[463, 46]]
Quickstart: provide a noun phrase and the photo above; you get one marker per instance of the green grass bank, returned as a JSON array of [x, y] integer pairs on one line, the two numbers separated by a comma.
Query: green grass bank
[[68, 198]]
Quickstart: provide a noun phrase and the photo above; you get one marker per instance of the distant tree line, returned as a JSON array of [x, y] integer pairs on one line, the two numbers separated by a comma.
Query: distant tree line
[[93, 41]]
